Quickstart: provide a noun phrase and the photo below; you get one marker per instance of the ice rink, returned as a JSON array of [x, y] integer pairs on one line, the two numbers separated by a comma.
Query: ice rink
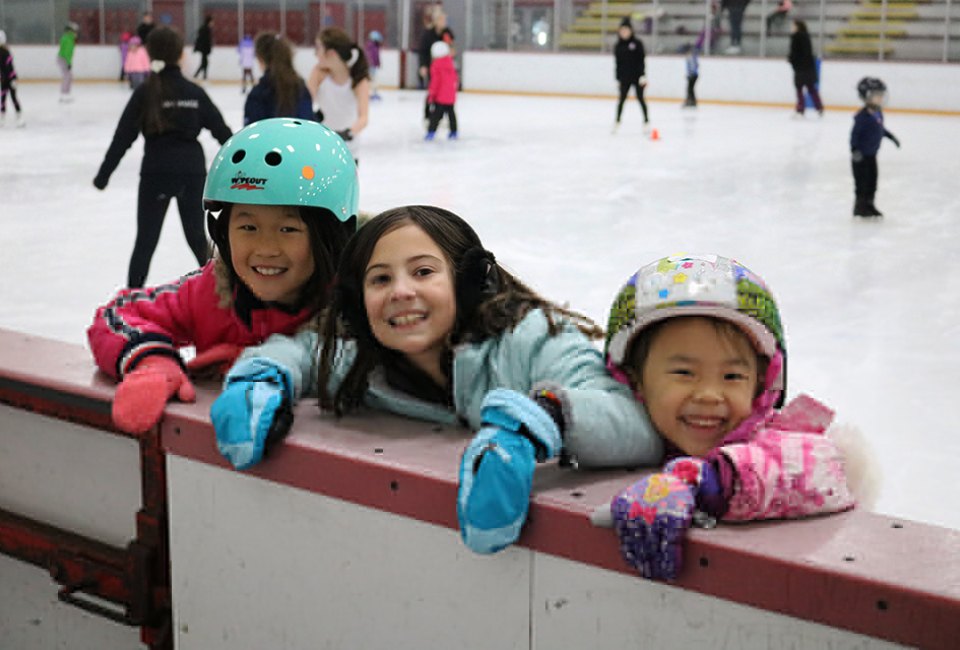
[[871, 308]]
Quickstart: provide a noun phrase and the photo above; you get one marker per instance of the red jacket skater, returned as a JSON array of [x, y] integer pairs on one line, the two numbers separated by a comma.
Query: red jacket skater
[[443, 82]]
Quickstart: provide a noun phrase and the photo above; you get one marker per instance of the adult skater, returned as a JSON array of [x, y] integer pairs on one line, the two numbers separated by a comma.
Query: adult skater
[[437, 31], [170, 111], [804, 65], [203, 46], [630, 68]]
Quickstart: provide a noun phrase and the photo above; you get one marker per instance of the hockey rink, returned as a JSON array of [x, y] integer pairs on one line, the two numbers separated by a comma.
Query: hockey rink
[[871, 309]]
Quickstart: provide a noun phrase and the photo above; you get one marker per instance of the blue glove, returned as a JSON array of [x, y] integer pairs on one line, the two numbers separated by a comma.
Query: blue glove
[[253, 411], [651, 517], [496, 471]]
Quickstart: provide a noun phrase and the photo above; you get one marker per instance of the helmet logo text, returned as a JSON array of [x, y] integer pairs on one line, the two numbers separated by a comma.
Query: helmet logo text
[[241, 182]]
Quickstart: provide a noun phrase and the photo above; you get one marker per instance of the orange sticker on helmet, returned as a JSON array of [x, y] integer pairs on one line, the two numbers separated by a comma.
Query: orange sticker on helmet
[[307, 172]]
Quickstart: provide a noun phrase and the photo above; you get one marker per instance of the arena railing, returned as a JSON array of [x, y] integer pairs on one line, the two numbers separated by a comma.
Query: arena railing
[[346, 536]]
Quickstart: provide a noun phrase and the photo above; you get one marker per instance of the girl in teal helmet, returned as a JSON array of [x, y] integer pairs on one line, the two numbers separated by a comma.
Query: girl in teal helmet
[[698, 338], [281, 200]]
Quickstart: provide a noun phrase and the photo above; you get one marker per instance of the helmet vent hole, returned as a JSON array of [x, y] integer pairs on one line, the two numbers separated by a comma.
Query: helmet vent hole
[[238, 156], [273, 158]]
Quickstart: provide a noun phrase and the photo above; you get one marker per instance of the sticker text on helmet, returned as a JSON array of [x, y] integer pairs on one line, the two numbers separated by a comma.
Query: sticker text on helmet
[[241, 182]]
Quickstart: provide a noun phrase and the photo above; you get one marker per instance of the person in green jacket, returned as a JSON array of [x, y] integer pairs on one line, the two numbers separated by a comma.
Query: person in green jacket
[[425, 323], [65, 59]]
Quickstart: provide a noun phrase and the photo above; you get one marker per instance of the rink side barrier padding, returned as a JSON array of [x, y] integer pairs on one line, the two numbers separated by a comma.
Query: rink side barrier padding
[[880, 576], [126, 584]]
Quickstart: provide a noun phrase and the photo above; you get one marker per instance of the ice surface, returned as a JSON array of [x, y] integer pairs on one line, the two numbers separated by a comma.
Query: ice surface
[[870, 307]]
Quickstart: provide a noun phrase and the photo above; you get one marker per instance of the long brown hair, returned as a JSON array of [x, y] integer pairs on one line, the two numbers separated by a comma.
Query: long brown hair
[[490, 300], [277, 56], [334, 38], [163, 44]]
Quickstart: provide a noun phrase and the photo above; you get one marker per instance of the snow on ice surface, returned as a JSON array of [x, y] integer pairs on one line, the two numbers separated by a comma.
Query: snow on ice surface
[[870, 307]]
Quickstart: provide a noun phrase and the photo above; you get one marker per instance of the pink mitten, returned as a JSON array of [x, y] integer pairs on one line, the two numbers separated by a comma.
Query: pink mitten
[[214, 362], [143, 393]]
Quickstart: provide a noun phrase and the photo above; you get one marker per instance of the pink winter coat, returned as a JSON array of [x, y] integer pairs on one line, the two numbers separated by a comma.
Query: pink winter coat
[[190, 311], [787, 469], [443, 82], [137, 60]]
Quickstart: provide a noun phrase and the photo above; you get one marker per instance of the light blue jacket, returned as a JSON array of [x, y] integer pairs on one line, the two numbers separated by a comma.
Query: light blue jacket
[[605, 425]]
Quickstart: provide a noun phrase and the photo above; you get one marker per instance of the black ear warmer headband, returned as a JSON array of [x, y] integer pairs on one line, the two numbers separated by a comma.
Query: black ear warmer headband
[[477, 280]]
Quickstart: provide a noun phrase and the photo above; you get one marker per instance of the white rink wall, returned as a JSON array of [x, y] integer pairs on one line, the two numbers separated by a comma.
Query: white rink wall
[[913, 86]]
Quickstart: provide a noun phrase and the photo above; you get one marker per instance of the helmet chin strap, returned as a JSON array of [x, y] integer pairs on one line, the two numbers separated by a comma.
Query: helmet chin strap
[[763, 404]]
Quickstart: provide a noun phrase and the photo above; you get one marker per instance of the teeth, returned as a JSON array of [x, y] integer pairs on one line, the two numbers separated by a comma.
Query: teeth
[[267, 270], [704, 422], [406, 319]]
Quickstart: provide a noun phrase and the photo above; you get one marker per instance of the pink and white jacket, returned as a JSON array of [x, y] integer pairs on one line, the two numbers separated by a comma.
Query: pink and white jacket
[[786, 468], [137, 60], [195, 310]]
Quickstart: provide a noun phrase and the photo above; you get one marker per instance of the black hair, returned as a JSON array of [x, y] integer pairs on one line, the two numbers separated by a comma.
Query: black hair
[[638, 349], [490, 300], [328, 237]]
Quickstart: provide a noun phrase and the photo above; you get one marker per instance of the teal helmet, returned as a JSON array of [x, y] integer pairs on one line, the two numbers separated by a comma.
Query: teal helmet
[[284, 161], [697, 285]]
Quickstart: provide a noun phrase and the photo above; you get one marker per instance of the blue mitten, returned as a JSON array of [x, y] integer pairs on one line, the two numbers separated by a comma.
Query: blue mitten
[[253, 411], [496, 471], [651, 517]]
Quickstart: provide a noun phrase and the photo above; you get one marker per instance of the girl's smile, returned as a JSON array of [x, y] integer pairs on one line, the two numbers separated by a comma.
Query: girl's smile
[[409, 296]]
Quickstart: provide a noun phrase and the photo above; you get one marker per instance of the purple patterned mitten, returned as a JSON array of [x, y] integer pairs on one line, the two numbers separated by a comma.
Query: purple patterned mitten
[[651, 518]]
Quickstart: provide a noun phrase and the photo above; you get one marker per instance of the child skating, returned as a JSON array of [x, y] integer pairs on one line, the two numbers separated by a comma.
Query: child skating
[[68, 43], [865, 138], [8, 83], [692, 64], [442, 91], [137, 63], [372, 47]]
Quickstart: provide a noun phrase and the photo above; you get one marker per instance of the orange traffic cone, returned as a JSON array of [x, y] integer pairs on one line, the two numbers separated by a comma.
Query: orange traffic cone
[[654, 134]]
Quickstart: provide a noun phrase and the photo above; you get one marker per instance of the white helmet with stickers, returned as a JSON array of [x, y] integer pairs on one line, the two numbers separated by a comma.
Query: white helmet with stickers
[[697, 285]]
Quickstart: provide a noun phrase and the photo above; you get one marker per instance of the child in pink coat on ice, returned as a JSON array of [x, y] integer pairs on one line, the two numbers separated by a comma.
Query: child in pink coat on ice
[[442, 92], [137, 63]]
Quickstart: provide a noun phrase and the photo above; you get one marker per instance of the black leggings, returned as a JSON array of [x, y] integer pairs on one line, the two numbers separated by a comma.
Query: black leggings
[[439, 110], [203, 66], [12, 91], [624, 89], [865, 177], [156, 190], [691, 83]]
